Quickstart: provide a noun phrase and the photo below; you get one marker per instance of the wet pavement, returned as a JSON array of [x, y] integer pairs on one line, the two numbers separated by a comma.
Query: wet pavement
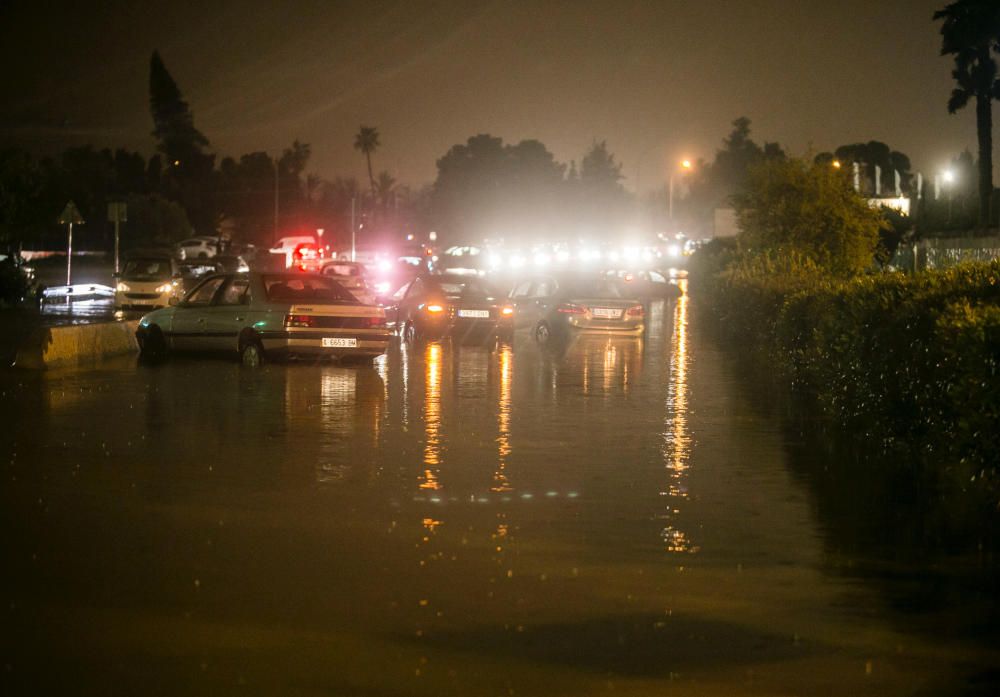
[[629, 516]]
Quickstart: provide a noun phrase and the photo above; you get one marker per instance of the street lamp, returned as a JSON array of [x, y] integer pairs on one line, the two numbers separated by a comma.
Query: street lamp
[[684, 166], [949, 179], [835, 164]]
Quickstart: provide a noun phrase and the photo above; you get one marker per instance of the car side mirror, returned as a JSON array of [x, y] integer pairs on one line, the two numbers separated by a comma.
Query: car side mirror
[[173, 300]]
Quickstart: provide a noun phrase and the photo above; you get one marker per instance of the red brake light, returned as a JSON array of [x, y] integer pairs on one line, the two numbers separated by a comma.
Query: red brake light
[[571, 309], [636, 311], [376, 321], [299, 321]]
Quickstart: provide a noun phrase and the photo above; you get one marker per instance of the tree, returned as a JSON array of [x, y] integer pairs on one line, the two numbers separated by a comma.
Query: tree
[[971, 33], [599, 203], [868, 156], [712, 185], [485, 188], [385, 189], [153, 220], [189, 168], [790, 206], [177, 138], [367, 142]]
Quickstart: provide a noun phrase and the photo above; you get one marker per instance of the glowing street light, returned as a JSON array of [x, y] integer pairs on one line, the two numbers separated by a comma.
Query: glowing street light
[[835, 164], [949, 176], [685, 166]]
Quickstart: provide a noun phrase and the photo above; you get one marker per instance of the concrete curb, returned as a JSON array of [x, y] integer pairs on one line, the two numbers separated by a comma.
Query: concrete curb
[[75, 344]]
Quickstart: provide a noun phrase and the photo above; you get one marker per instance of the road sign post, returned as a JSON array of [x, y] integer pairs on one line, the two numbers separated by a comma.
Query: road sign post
[[117, 214], [69, 217]]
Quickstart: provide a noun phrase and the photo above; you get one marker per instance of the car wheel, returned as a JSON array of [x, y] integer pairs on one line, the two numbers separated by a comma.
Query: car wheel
[[152, 343], [252, 354], [543, 334]]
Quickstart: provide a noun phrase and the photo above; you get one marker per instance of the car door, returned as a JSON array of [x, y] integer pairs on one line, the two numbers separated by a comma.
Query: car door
[[188, 326], [228, 315], [392, 308], [524, 307], [411, 299]]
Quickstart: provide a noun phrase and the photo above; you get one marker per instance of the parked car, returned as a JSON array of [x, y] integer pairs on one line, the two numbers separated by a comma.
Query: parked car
[[352, 276], [258, 315], [435, 306], [197, 248], [286, 246], [147, 281], [553, 308], [644, 284]]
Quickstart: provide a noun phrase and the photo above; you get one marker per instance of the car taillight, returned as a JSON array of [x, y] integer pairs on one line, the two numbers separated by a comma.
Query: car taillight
[[434, 309], [507, 311], [635, 311], [299, 321], [571, 309], [376, 322]]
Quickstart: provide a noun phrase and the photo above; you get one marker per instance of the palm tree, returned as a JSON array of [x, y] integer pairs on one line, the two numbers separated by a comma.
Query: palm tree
[[971, 32], [367, 142]]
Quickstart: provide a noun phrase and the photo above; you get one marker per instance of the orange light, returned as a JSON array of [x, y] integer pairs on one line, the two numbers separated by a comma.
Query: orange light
[[836, 164], [629, 277], [434, 308], [686, 164], [507, 311]]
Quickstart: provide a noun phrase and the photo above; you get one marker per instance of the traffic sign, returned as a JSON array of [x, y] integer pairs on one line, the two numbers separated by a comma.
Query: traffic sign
[[117, 212], [70, 215]]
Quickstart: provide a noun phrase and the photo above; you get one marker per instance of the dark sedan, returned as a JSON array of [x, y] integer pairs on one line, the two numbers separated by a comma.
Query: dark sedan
[[430, 307]]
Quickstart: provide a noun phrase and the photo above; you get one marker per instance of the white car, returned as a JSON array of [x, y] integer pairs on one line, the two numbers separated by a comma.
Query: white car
[[197, 248], [286, 246], [147, 282], [351, 276]]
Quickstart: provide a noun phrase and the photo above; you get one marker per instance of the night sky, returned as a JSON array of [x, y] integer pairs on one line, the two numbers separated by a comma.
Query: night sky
[[657, 80]]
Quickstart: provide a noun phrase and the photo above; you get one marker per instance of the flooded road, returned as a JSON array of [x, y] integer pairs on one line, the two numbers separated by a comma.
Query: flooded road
[[622, 516]]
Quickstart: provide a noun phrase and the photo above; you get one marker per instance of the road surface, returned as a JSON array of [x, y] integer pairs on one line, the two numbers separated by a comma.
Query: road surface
[[627, 516]]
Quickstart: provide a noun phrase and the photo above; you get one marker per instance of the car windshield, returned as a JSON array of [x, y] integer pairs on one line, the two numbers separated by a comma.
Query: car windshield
[[306, 289], [147, 269], [591, 288]]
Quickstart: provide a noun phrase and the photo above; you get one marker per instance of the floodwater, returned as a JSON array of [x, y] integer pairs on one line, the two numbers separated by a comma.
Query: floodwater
[[623, 516]]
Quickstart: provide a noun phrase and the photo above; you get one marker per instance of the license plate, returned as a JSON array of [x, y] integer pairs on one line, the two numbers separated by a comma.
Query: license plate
[[607, 312], [340, 343], [478, 314]]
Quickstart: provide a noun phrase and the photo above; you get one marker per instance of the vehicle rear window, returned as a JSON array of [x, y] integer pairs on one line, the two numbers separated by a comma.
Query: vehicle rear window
[[306, 289], [596, 288], [467, 288]]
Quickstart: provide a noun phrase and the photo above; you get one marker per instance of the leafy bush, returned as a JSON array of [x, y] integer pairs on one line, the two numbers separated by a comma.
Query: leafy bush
[[796, 208], [896, 358]]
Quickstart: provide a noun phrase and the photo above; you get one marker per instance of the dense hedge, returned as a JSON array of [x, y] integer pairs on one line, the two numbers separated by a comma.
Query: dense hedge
[[911, 359]]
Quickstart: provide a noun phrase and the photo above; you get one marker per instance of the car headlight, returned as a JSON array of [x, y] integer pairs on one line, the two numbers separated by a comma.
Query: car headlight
[[122, 288], [165, 288]]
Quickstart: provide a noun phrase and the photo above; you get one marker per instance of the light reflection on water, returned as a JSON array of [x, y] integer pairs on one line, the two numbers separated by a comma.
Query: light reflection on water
[[676, 439], [432, 417], [500, 519], [500, 481]]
